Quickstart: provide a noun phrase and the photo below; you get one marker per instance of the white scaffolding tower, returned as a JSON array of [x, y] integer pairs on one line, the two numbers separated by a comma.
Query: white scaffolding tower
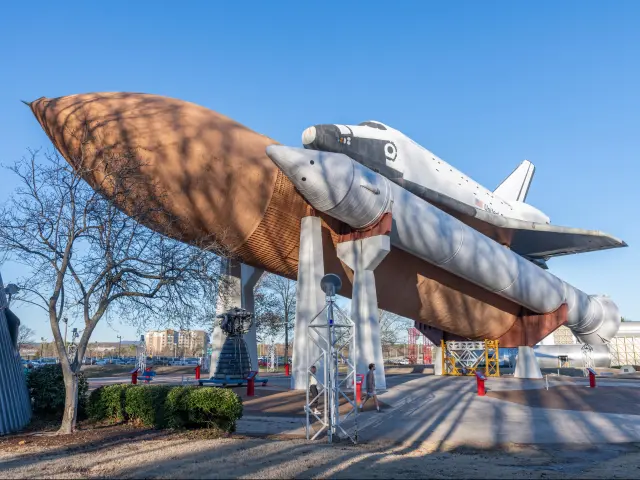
[[141, 350], [587, 358], [334, 335], [273, 358]]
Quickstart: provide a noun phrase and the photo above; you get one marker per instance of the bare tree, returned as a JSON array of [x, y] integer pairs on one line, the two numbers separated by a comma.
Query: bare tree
[[275, 307], [25, 336], [390, 327], [90, 260]]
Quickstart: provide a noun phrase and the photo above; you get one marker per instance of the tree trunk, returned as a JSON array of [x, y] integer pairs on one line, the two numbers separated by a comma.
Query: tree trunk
[[70, 401], [286, 339]]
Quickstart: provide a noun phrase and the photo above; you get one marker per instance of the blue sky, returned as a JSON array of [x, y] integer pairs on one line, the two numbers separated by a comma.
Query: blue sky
[[483, 85]]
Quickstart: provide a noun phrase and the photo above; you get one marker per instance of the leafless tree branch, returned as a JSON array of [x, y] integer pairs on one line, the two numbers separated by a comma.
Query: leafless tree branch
[[89, 259]]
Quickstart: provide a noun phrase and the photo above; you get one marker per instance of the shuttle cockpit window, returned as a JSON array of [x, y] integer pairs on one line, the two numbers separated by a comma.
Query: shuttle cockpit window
[[377, 125]]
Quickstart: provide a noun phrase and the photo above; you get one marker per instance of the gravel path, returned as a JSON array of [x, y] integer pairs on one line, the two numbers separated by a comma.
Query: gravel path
[[182, 457]]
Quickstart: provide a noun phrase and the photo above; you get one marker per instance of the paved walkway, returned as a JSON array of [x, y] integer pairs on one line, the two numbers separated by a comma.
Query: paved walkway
[[424, 409]]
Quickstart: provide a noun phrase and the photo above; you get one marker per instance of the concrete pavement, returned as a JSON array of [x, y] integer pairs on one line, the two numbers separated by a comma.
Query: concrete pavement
[[426, 409], [447, 410]]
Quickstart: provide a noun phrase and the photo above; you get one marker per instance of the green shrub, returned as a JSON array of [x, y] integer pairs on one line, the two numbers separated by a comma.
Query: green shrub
[[161, 406], [213, 407], [96, 406], [108, 403], [145, 404], [47, 390], [177, 407], [114, 398]]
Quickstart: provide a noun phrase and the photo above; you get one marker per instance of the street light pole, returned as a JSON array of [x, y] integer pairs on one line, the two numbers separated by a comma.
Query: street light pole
[[119, 344]]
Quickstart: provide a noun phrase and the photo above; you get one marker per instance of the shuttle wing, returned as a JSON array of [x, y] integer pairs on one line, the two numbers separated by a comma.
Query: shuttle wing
[[536, 241]]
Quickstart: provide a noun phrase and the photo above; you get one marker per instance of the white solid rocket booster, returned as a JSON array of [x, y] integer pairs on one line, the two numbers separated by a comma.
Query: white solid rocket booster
[[350, 192]]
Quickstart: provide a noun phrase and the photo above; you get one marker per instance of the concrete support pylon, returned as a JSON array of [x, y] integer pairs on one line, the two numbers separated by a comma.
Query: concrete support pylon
[[363, 257], [310, 298], [240, 281], [527, 364], [437, 360], [249, 277]]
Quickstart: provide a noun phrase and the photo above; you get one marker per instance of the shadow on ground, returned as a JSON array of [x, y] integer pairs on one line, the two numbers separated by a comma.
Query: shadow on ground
[[428, 415]]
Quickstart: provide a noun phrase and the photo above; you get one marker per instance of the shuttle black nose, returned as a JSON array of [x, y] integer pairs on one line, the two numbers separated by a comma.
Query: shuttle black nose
[[322, 137]]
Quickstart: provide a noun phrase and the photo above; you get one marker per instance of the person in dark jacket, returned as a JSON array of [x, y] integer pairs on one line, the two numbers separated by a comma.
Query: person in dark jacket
[[370, 382], [313, 390]]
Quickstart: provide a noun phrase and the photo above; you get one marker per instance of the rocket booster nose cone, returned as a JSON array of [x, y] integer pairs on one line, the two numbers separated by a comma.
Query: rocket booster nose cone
[[285, 158], [309, 136], [322, 178]]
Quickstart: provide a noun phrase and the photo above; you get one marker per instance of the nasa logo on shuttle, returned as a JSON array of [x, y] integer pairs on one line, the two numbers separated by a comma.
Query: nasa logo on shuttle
[[490, 210], [390, 151]]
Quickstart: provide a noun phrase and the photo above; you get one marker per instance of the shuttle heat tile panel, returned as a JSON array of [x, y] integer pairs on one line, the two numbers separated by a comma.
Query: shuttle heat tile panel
[[208, 172]]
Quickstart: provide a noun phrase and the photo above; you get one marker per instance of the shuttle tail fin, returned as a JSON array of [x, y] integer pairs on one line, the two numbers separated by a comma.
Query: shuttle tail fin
[[516, 186]]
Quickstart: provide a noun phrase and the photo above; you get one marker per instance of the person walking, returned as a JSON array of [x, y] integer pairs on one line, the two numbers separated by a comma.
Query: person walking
[[313, 391], [371, 387]]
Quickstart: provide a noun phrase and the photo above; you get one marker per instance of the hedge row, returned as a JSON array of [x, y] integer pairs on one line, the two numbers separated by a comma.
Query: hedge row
[[47, 390], [162, 406]]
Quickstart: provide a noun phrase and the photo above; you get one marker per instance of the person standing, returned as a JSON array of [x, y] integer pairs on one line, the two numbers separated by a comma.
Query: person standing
[[313, 390], [371, 387]]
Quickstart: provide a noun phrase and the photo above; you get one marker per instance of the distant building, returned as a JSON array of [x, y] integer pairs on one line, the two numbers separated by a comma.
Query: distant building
[[176, 342]]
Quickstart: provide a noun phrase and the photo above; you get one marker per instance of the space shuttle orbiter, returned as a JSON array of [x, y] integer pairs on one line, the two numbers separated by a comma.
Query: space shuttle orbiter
[[501, 214]]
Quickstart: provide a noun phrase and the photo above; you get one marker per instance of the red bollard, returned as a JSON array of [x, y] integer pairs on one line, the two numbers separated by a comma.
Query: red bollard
[[197, 372], [251, 387], [480, 378], [134, 377], [251, 384], [359, 380], [286, 369], [592, 378]]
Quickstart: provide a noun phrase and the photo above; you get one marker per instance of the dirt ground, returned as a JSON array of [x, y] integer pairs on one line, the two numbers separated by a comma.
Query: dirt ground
[[126, 452]]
